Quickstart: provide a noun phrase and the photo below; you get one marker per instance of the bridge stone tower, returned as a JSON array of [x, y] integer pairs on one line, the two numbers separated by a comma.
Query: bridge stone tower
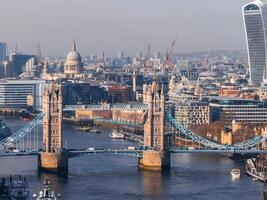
[[53, 158], [156, 155]]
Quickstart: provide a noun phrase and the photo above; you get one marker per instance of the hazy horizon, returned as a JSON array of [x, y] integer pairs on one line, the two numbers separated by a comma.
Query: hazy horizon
[[121, 25]]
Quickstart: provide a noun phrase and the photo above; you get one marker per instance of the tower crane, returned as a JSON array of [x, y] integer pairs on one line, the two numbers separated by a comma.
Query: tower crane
[[169, 51]]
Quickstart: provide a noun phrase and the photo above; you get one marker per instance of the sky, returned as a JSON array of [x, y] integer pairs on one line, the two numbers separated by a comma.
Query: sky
[[121, 25]]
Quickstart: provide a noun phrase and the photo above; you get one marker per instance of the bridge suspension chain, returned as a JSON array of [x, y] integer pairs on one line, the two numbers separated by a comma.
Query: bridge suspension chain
[[17, 139]]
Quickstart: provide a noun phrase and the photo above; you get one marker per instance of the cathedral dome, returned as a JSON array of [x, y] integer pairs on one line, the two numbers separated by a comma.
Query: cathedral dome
[[74, 56], [73, 64]]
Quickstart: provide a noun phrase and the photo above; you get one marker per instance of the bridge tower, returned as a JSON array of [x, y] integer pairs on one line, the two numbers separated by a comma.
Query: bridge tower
[[53, 158], [156, 154]]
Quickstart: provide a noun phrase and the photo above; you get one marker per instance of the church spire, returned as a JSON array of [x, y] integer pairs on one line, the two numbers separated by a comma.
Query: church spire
[[45, 69], [154, 82], [73, 45], [52, 85]]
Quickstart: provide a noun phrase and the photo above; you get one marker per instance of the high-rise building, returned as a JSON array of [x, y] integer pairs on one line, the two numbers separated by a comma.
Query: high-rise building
[[2, 51], [255, 22], [120, 55], [18, 63]]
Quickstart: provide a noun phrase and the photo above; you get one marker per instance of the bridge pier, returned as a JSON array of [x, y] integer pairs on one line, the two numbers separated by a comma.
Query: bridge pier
[[155, 160], [56, 162]]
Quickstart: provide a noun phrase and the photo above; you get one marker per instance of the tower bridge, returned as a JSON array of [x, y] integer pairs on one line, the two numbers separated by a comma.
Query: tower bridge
[[154, 154]]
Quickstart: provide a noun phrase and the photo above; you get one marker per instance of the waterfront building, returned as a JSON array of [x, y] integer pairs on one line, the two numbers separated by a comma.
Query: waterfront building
[[119, 94], [192, 113], [132, 116], [3, 52], [82, 93], [14, 94], [255, 22], [240, 110], [73, 64]]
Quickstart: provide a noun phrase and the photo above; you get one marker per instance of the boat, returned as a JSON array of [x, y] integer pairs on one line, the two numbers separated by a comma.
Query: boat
[[116, 135], [95, 131], [84, 128], [46, 193], [256, 169], [235, 173], [84, 125], [18, 188]]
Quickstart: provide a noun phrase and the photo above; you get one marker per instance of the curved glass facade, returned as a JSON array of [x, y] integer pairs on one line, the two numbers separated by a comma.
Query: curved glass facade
[[255, 21]]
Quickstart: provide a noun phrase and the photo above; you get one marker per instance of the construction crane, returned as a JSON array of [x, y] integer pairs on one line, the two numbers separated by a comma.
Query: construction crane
[[168, 59]]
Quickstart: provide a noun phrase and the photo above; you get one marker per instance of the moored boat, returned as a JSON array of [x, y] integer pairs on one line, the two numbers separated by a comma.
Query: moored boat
[[84, 125], [18, 188], [95, 131], [256, 169], [84, 128]]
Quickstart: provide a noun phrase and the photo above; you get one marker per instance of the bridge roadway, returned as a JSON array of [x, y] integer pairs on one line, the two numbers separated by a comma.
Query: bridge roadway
[[134, 153], [218, 151]]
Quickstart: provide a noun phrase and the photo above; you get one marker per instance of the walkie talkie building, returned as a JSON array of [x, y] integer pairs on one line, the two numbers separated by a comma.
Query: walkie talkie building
[[255, 22]]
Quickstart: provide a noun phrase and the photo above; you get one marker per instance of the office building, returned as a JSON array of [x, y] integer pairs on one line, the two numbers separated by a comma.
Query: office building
[[244, 111], [14, 94], [255, 22], [3, 51], [82, 93], [192, 113], [119, 94], [18, 63]]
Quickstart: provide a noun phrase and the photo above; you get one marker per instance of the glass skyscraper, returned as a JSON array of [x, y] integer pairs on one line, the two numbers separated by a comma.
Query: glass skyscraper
[[255, 22], [2, 51]]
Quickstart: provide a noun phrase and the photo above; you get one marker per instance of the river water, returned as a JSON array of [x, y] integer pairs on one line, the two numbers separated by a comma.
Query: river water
[[99, 177]]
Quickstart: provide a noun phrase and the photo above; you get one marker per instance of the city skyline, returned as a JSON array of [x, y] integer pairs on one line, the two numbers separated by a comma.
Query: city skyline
[[113, 26]]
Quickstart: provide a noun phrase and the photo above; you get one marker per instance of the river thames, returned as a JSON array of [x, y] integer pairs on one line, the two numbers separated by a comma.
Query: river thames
[[99, 177]]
